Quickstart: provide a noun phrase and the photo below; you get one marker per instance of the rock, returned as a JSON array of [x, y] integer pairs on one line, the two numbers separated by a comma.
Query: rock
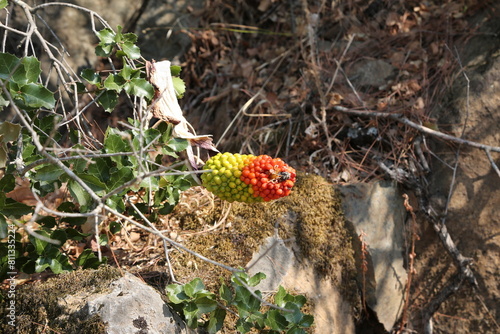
[[377, 211], [134, 307], [332, 314], [374, 73], [274, 259]]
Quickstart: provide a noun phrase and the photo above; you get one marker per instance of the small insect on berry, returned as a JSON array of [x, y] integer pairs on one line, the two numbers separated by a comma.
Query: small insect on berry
[[277, 177]]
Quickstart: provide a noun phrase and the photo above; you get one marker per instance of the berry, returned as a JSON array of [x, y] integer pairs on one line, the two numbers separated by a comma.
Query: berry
[[248, 178]]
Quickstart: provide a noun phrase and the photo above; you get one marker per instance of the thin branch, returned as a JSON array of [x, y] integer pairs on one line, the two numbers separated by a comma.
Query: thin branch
[[400, 118]]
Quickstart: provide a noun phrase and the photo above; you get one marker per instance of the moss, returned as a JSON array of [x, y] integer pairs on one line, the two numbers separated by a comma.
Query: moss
[[311, 216], [41, 304]]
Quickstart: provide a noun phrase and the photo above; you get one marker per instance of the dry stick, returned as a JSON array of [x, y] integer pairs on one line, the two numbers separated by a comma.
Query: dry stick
[[454, 284], [411, 256], [400, 118]]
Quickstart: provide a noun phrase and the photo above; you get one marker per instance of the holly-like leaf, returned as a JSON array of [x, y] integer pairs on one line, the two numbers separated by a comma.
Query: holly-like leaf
[[32, 69], [256, 279], [275, 320], [216, 320], [91, 76], [114, 82], [37, 96], [176, 294], [140, 87], [179, 86], [106, 36], [108, 100], [193, 287], [131, 50]]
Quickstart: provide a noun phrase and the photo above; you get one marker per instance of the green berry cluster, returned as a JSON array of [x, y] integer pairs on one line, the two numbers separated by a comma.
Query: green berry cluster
[[224, 180]]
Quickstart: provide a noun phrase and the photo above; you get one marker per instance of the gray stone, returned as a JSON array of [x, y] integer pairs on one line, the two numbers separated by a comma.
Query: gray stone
[[134, 307], [374, 73], [273, 259], [377, 211]]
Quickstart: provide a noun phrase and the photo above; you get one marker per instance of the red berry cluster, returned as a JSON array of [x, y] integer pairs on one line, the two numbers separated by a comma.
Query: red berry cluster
[[269, 178]]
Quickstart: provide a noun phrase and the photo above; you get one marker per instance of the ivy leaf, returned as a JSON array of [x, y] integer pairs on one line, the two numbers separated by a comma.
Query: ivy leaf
[[176, 293], [8, 65], [88, 260], [225, 293], [114, 82], [108, 100], [193, 287], [76, 235], [79, 194], [119, 177], [255, 279], [38, 243], [216, 320], [37, 96], [140, 87], [131, 50], [179, 87], [32, 69], [91, 76], [104, 50], [106, 36], [275, 320]]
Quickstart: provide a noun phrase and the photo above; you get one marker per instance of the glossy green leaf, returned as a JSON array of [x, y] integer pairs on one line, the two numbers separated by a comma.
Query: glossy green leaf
[[140, 87], [179, 87], [80, 195], [106, 36], [178, 144], [114, 82], [256, 279], [75, 234], [216, 320], [205, 304], [193, 287], [9, 207], [108, 100], [104, 50], [88, 260], [91, 76], [176, 294], [37, 96], [32, 69], [131, 50], [275, 320]]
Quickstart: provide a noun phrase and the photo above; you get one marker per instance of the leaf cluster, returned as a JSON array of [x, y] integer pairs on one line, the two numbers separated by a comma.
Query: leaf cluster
[[202, 308], [20, 78], [125, 162]]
